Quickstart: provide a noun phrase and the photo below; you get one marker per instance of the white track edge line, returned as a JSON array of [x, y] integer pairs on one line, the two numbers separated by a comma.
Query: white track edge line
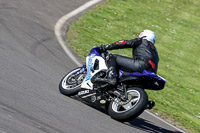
[[62, 21], [58, 28], [164, 121]]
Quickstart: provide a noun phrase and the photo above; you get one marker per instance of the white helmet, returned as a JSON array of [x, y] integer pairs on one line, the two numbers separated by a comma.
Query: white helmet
[[149, 35]]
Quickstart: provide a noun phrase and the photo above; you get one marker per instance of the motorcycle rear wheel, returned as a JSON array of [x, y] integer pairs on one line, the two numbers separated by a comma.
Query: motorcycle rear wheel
[[71, 82], [133, 107]]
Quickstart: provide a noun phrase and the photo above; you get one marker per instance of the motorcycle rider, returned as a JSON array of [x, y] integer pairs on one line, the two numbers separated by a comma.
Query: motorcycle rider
[[145, 56]]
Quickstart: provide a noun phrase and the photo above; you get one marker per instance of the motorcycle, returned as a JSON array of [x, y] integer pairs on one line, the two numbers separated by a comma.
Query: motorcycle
[[124, 102]]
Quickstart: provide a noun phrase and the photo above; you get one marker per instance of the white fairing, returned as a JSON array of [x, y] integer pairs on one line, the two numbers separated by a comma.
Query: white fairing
[[87, 84]]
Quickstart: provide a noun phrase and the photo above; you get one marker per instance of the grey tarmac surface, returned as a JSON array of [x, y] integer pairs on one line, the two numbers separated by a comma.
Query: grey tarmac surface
[[31, 66]]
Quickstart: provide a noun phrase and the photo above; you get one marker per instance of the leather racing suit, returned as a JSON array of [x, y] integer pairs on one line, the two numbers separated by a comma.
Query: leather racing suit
[[145, 56]]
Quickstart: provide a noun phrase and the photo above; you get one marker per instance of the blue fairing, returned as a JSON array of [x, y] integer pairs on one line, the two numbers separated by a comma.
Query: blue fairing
[[144, 73], [149, 77], [95, 51], [120, 73], [84, 66]]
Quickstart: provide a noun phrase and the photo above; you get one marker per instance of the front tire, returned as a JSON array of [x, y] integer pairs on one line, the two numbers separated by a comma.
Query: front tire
[[134, 106], [71, 82]]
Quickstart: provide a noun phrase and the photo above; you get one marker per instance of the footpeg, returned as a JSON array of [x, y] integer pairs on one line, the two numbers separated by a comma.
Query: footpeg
[[150, 105]]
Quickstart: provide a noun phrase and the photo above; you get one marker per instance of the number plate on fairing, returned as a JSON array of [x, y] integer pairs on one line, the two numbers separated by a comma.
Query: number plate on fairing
[[90, 61]]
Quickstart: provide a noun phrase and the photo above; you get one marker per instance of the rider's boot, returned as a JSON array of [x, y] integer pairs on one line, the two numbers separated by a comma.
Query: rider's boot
[[111, 78]]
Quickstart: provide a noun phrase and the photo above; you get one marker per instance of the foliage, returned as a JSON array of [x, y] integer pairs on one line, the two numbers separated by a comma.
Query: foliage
[[176, 24]]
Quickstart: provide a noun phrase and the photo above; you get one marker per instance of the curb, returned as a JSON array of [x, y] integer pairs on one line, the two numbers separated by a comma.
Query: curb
[[60, 25]]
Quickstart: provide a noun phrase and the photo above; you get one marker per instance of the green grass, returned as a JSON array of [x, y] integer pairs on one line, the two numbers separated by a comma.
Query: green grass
[[177, 25]]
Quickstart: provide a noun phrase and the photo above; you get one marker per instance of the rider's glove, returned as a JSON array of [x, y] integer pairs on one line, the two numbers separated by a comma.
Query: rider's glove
[[103, 48]]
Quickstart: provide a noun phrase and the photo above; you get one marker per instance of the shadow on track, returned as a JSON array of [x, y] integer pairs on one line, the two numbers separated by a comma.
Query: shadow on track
[[138, 123], [148, 126]]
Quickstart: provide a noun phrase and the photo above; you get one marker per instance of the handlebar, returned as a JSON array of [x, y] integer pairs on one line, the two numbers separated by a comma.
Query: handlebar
[[105, 55]]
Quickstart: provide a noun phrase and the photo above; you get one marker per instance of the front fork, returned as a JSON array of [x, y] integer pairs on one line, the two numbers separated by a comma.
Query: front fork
[[75, 74]]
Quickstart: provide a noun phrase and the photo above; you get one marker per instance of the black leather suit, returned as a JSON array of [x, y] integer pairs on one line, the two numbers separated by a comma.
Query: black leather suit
[[145, 56]]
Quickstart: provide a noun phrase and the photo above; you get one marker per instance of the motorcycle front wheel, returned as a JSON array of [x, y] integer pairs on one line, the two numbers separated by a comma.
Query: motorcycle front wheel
[[131, 108], [71, 82]]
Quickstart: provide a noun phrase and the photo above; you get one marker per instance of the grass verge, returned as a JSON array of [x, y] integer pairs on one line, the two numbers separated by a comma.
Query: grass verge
[[176, 24]]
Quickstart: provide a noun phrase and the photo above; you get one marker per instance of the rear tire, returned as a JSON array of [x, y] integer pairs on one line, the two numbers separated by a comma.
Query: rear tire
[[69, 86], [132, 109]]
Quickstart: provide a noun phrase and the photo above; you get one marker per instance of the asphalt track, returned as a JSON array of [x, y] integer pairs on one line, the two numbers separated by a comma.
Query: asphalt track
[[31, 65]]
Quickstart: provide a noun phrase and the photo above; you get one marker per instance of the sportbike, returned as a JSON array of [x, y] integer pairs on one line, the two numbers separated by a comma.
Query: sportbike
[[125, 101]]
